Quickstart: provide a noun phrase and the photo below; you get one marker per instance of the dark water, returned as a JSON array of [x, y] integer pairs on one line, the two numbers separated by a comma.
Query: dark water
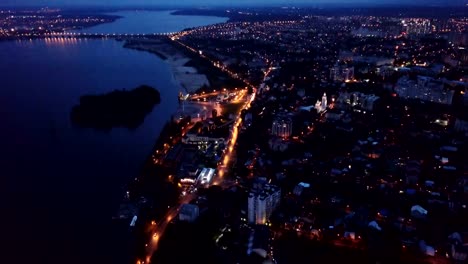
[[60, 185]]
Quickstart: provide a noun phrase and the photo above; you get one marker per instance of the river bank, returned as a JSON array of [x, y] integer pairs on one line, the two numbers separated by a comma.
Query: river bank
[[187, 78]]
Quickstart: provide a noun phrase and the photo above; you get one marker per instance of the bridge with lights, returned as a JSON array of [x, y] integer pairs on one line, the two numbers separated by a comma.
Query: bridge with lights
[[66, 35], [107, 35]]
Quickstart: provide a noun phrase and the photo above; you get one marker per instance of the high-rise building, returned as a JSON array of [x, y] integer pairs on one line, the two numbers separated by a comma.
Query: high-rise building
[[282, 127], [324, 101], [261, 203], [417, 26], [464, 54], [341, 73], [364, 101], [321, 105]]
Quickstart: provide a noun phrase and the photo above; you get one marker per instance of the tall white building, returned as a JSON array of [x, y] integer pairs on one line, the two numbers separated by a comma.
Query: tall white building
[[261, 203], [324, 101], [321, 106]]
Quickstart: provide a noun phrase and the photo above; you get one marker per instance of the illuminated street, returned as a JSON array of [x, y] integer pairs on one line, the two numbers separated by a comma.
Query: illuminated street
[[219, 179], [160, 227], [222, 169], [224, 166]]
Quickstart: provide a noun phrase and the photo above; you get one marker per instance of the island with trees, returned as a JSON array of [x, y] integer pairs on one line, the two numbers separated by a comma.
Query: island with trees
[[119, 108]]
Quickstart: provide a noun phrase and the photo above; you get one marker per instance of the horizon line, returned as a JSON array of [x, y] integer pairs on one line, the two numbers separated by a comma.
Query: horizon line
[[244, 5]]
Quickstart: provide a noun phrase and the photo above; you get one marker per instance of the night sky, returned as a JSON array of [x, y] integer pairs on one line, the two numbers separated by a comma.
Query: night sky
[[226, 2]]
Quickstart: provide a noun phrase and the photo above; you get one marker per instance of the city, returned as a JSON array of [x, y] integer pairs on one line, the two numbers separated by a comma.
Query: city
[[327, 171], [36, 23], [301, 137]]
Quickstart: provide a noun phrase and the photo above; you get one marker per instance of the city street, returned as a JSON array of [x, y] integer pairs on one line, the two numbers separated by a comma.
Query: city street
[[219, 178]]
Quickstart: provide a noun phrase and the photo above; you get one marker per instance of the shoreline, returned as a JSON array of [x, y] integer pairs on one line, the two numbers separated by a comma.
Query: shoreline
[[154, 165], [171, 129], [187, 78]]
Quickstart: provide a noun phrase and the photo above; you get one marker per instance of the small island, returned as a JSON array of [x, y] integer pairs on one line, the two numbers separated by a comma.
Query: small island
[[119, 108]]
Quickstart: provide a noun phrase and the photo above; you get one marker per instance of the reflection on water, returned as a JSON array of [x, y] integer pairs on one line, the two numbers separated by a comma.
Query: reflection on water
[[62, 41], [55, 40]]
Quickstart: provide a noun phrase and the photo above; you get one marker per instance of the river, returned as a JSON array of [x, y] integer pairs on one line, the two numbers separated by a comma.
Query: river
[[141, 22], [60, 184]]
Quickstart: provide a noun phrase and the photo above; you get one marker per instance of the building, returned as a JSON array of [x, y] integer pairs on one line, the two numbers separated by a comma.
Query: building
[[205, 176], [344, 98], [341, 73], [188, 174], [425, 89], [413, 171], [322, 105], [282, 127], [459, 246], [364, 101], [261, 203], [385, 71], [368, 32], [373, 60], [418, 212], [461, 125], [417, 26], [300, 188], [457, 38], [367, 102], [204, 133], [259, 240], [324, 101], [188, 212], [278, 144]]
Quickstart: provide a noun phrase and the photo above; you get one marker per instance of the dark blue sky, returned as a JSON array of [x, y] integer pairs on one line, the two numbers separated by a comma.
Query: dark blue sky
[[224, 2]]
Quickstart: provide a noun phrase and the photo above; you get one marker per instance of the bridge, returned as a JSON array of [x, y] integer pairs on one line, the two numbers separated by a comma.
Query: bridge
[[104, 35], [79, 35]]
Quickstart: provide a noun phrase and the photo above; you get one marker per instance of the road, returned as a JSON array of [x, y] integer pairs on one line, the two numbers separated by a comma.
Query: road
[[160, 228], [225, 160], [221, 170], [223, 68], [203, 95]]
